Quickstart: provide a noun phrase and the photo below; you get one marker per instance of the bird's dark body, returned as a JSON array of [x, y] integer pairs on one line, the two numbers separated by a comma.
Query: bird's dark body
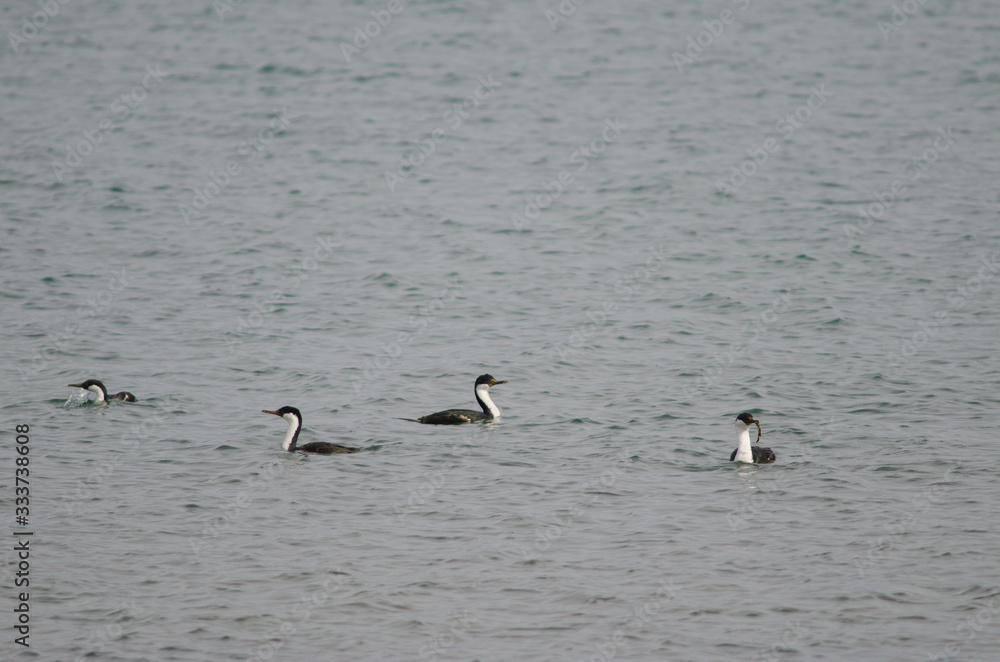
[[325, 448], [123, 396], [453, 417], [318, 447], [463, 416], [760, 455]]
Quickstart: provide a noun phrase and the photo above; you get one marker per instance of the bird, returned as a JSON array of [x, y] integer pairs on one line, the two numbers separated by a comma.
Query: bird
[[461, 416], [745, 452], [294, 418], [102, 393]]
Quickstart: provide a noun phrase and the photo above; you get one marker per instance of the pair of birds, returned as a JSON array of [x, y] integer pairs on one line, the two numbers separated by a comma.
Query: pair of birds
[[745, 451], [447, 417]]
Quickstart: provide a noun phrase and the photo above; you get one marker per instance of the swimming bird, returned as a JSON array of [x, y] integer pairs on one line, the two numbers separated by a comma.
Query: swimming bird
[[294, 418], [102, 393], [745, 452], [460, 416]]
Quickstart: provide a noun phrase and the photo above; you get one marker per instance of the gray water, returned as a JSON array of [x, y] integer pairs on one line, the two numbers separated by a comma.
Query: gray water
[[634, 315]]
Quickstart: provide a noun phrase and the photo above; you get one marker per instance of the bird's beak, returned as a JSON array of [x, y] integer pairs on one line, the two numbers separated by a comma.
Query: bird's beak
[[495, 382], [75, 385], [268, 411]]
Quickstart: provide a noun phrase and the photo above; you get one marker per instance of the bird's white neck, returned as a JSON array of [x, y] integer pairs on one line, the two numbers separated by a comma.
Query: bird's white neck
[[293, 431], [743, 452], [101, 395], [483, 395]]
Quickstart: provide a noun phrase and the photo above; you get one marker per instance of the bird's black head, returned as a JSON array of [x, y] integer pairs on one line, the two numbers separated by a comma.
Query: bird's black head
[[747, 419], [488, 380], [87, 384], [284, 410]]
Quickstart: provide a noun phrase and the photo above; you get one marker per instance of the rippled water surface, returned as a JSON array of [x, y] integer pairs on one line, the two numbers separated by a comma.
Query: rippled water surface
[[648, 219]]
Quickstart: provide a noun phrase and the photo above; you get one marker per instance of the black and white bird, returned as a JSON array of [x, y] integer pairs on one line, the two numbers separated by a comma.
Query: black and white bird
[[460, 416], [294, 418], [97, 387], [744, 451]]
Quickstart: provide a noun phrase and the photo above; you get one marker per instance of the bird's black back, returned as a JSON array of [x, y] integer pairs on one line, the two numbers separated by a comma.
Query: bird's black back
[[325, 448], [760, 455], [452, 417]]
